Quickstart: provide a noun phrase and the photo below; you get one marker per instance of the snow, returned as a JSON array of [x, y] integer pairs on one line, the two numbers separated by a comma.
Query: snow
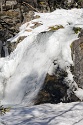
[[23, 72], [45, 114], [62, 17], [79, 93]]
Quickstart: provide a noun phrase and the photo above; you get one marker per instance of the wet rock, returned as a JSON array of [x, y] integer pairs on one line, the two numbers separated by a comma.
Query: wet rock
[[12, 45], [8, 27]]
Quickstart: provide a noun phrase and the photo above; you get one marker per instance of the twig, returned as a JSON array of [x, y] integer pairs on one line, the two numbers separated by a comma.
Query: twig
[[31, 7]]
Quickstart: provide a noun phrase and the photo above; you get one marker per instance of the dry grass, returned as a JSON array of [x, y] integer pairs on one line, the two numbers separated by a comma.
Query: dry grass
[[55, 28]]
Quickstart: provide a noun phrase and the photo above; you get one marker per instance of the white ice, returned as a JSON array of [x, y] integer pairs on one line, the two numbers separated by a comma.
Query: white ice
[[23, 72]]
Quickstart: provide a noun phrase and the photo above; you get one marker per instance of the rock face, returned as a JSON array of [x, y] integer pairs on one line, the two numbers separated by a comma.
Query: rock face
[[9, 23], [77, 54]]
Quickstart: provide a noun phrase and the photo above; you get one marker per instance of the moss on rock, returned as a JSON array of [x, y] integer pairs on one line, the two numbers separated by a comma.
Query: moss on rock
[[76, 29], [55, 28]]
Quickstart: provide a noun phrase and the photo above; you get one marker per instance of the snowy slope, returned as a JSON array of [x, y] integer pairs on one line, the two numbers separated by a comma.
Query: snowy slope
[[47, 114], [23, 72]]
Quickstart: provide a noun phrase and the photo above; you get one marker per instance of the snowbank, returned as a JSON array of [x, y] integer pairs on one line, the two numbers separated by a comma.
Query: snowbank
[[47, 114]]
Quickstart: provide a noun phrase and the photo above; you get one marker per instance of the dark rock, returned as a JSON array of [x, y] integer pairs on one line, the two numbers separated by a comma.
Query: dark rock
[[77, 55], [54, 90], [81, 34]]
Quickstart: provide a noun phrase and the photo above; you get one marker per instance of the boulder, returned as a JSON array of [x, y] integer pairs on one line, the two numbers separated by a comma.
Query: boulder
[[54, 90]]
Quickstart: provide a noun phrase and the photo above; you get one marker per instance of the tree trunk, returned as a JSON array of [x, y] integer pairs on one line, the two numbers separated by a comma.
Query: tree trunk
[[1, 6]]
